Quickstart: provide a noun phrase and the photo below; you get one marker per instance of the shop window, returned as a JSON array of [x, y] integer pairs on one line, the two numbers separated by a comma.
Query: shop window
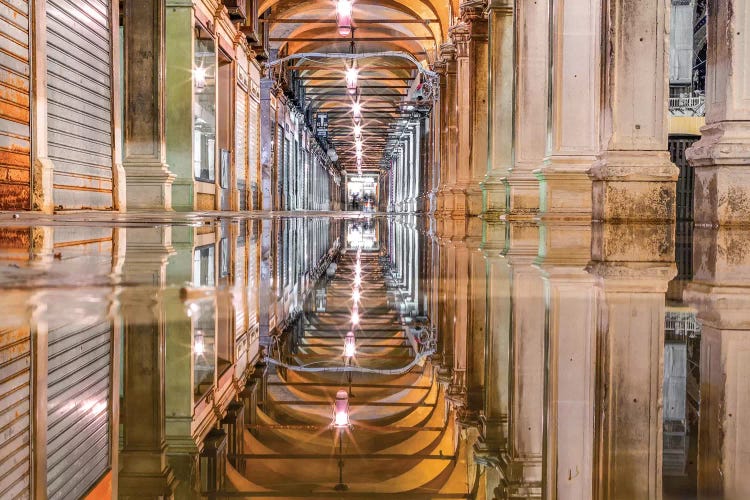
[[204, 109]]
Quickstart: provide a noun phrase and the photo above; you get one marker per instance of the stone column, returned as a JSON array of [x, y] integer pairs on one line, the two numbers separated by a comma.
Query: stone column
[[720, 292], [493, 434], [571, 360], [575, 116], [522, 461], [471, 37], [441, 138], [632, 266], [500, 102], [461, 36], [633, 178], [180, 26], [449, 55], [530, 122], [149, 181], [722, 156]]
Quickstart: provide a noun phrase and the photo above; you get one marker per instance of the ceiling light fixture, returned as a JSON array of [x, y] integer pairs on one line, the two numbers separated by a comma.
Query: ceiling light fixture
[[344, 17], [352, 76]]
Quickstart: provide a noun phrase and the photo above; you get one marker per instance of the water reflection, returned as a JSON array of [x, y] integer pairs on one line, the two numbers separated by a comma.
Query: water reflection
[[407, 357]]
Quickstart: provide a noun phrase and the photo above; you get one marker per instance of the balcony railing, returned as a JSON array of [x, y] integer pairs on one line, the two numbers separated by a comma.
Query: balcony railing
[[694, 105]]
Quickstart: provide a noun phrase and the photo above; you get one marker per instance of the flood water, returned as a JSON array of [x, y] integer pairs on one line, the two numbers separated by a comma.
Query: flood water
[[208, 356]]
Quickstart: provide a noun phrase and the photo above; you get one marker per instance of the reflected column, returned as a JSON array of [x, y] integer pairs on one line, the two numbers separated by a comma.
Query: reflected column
[[721, 293], [632, 266], [571, 360], [522, 462], [144, 471], [493, 436]]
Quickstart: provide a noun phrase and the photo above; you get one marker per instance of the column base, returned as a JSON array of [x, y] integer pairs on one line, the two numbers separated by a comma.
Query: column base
[[634, 186], [149, 186], [522, 196], [565, 188], [42, 186], [722, 174], [493, 198]]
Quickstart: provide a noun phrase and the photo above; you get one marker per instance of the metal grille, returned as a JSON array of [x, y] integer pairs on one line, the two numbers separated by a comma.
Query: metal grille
[[79, 88], [15, 132], [686, 182], [253, 148]]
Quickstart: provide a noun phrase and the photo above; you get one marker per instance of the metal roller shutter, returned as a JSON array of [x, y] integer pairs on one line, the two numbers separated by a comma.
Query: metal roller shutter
[[78, 406], [15, 131], [79, 93], [253, 148], [240, 144], [15, 412]]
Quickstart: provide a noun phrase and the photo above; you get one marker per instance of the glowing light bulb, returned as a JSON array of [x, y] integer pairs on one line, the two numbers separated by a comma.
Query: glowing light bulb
[[357, 131], [344, 17], [352, 74], [357, 110], [357, 280], [355, 317], [350, 345], [356, 296], [199, 345], [199, 75]]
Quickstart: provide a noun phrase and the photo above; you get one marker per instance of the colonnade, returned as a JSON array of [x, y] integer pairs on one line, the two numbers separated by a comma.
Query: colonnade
[[560, 111]]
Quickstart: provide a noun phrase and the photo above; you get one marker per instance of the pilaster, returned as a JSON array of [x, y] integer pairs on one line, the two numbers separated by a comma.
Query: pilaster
[[722, 156]]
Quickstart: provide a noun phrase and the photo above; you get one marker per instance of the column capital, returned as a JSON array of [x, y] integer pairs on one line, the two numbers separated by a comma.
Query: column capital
[[440, 67], [460, 34], [448, 51]]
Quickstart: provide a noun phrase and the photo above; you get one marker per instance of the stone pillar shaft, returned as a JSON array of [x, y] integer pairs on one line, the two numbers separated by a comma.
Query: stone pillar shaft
[[722, 156], [500, 105], [473, 70], [575, 86], [532, 70], [149, 181], [633, 178]]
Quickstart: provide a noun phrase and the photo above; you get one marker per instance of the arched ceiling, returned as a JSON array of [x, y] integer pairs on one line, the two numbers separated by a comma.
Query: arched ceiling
[[416, 27]]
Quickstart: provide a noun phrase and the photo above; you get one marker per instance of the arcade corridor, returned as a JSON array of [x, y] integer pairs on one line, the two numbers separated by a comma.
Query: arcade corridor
[[409, 249]]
